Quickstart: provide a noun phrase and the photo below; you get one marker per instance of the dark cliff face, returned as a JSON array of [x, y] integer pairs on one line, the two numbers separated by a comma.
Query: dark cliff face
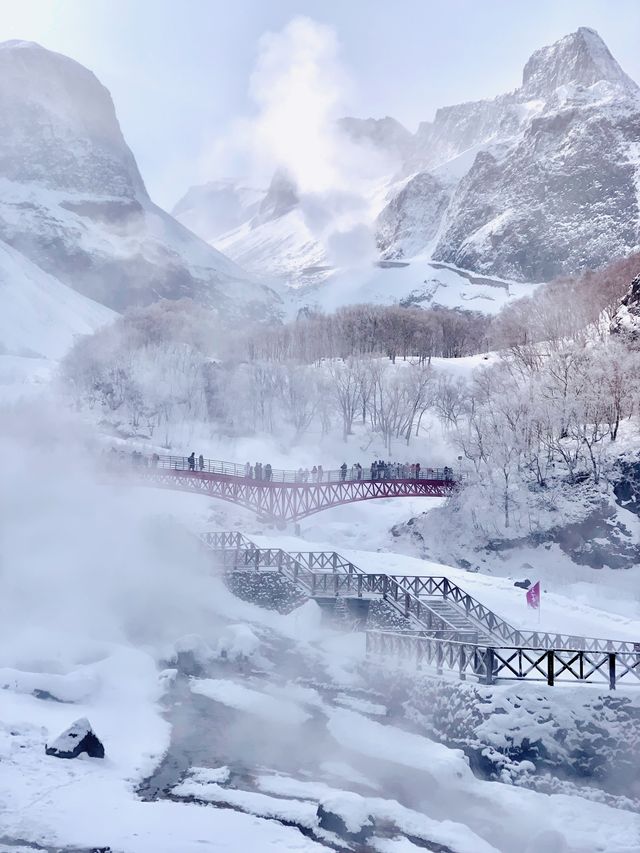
[[413, 217], [626, 323], [74, 202], [562, 200]]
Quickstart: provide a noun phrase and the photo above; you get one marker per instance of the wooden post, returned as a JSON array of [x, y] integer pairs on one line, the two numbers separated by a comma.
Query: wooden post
[[550, 669], [359, 586], [612, 671], [439, 657], [489, 662], [462, 659]]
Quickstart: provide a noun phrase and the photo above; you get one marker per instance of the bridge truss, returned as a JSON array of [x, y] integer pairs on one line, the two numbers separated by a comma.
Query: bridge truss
[[283, 502]]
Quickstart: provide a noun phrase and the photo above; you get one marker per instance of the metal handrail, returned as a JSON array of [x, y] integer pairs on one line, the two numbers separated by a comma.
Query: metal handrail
[[277, 475]]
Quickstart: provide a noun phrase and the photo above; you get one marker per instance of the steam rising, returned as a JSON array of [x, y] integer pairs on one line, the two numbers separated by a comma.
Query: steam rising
[[300, 89], [80, 561]]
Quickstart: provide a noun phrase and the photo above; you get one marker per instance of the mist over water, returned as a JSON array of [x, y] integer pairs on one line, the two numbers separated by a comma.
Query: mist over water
[[81, 558]]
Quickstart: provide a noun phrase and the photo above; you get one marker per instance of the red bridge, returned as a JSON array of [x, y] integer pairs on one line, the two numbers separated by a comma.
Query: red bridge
[[284, 496]]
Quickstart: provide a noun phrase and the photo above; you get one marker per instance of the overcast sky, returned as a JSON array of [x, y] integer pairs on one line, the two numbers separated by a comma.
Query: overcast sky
[[179, 70]]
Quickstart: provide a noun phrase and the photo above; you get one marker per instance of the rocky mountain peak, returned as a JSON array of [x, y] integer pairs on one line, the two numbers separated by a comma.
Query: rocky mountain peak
[[579, 59], [58, 125], [281, 197], [385, 134]]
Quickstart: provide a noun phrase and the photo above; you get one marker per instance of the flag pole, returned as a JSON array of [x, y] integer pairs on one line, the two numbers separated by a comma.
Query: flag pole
[[539, 602]]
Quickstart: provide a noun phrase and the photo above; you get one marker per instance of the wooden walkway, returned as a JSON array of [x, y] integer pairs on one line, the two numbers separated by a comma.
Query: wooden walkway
[[449, 629]]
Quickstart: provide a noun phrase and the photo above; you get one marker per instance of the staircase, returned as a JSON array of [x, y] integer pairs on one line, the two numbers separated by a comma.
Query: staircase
[[433, 605], [459, 619]]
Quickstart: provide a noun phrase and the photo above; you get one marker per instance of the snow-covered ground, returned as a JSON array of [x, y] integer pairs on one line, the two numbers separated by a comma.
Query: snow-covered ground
[[115, 590], [40, 316], [416, 280]]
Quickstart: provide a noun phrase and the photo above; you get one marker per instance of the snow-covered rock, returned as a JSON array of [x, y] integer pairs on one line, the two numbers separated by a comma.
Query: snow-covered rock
[[627, 319], [347, 815], [78, 738], [73, 201], [412, 218], [384, 134]]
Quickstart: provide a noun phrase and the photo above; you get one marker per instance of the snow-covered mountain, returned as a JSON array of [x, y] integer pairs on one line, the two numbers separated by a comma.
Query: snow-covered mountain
[[72, 199], [217, 207], [560, 195], [534, 183]]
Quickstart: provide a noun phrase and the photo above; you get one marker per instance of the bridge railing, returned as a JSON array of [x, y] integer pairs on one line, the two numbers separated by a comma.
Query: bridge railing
[[489, 664], [431, 585], [223, 540], [332, 583], [277, 475], [404, 592]]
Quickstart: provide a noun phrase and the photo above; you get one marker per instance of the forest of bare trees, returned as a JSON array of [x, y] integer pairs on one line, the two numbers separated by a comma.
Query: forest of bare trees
[[547, 405], [367, 330]]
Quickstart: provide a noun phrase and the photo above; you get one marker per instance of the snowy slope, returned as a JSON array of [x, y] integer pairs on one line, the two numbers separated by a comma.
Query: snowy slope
[[38, 314], [415, 281]]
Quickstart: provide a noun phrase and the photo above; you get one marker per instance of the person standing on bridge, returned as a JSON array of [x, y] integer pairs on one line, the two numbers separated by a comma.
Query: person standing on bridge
[[192, 461], [314, 473], [201, 462], [343, 471], [417, 470], [320, 473], [258, 470], [268, 471], [247, 471]]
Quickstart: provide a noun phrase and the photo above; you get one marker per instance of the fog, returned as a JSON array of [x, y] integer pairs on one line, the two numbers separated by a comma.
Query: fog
[[81, 560], [300, 87]]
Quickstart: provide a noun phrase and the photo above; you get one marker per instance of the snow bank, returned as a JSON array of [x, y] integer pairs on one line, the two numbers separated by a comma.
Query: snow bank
[[250, 701], [72, 687]]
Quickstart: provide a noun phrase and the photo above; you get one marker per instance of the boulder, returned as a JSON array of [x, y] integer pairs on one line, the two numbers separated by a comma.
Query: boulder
[[523, 584], [78, 738]]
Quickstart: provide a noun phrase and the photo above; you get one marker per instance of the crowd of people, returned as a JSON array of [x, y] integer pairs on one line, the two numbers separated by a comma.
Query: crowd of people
[[378, 470]]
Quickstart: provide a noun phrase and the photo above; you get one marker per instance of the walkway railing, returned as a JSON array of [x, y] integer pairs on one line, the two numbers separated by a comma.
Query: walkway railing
[[430, 586], [319, 584], [394, 471], [489, 664], [328, 573]]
